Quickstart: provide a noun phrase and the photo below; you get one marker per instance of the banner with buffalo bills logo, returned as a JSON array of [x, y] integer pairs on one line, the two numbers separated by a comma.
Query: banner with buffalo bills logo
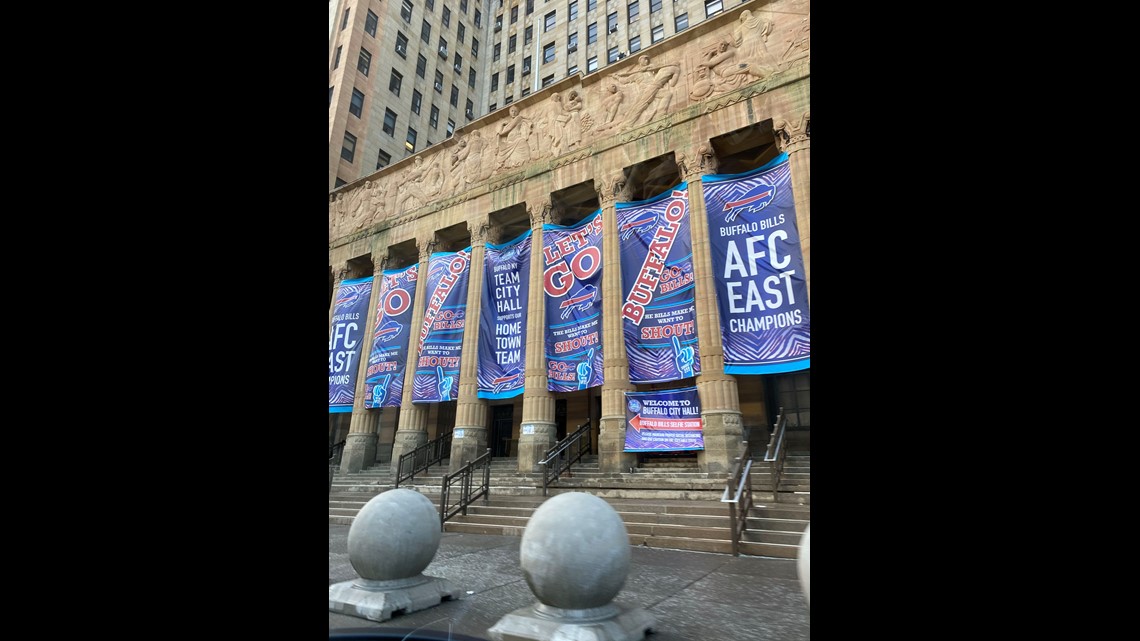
[[440, 336], [502, 318], [759, 270], [572, 279], [346, 341], [658, 306], [663, 421], [384, 378]]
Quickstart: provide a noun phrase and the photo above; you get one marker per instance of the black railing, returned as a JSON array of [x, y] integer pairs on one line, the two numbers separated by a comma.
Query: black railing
[[774, 456], [423, 457], [565, 453], [738, 495], [468, 491], [335, 452]]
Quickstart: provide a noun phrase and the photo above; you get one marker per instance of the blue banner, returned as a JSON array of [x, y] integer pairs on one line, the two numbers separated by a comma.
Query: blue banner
[[502, 318], [572, 279], [657, 282], [441, 333], [346, 335], [663, 421], [384, 379], [758, 269]]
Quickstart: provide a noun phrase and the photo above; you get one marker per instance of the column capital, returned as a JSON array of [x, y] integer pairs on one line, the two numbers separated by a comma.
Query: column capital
[[697, 161], [612, 187], [792, 133], [478, 230], [538, 211], [340, 274], [379, 261], [426, 246]]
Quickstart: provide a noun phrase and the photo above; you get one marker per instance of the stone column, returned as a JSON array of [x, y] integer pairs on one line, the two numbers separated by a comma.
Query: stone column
[[720, 403], [339, 275], [611, 438], [412, 430], [470, 410], [360, 448], [539, 431], [793, 135]]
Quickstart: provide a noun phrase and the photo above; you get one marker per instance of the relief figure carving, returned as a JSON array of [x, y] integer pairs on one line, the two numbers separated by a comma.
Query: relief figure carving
[[514, 140], [651, 86], [420, 183]]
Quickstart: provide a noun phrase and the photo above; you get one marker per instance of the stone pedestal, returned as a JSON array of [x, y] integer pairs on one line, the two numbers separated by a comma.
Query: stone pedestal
[[468, 447], [612, 457], [405, 442], [540, 622], [359, 452], [377, 600], [532, 447], [723, 441]]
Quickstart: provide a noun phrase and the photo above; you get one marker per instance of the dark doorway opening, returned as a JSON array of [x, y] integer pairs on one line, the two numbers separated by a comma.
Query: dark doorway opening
[[502, 420]]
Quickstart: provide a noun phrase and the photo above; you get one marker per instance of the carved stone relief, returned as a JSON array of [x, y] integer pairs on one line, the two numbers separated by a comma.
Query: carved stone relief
[[797, 45], [419, 183], [513, 146], [641, 94], [736, 61]]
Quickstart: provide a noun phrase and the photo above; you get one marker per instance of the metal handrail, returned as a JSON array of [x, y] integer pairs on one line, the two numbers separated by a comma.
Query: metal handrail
[[774, 456], [558, 458], [468, 494], [335, 452], [736, 487], [421, 458]]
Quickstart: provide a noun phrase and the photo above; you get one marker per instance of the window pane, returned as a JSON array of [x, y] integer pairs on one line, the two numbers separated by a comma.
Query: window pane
[[348, 150]]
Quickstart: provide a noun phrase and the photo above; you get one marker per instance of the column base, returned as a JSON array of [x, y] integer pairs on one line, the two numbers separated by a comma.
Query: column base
[[540, 622], [359, 452], [468, 447], [532, 447], [405, 442], [724, 440], [612, 457], [355, 599]]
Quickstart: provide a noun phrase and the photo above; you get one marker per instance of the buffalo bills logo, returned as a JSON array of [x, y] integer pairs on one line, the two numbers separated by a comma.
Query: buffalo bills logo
[[751, 202], [387, 331], [347, 298], [582, 300], [644, 222], [507, 379]]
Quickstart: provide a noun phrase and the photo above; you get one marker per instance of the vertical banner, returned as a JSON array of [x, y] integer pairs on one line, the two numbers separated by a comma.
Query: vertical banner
[[502, 318], [758, 270], [440, 336], [572, 278], [384, 379], [659, 310], [350, 314], [663, 421]]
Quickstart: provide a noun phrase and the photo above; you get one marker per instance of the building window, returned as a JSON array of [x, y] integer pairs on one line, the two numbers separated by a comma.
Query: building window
[[514, 14], [364, 62], [446, 17], [406, 11], [425, 32], [330, 95], [548, 21], [496, 50], [471, 77], [611, 22], [492, 107], [454, 96], [612, 56], [370, 23], [548, 53], [470, 111], [634, 11], [478, 19], [528, 35], [340, 181], [458, 66], [344, 23], [383, 159], [410, 141], [572, 42], [417, 101], [495, 81], [713, 7], [389, 122], [592, 33], [356, 107], [431, 5], [547, 81], [592, 64], [654, 6], [681, 22], [421, 65], [461, 31], [401, 44], [474, 47], [498, 23], [526, 65], [529, 7], [658, 33], [511, 43], [510, 74], [525, 92], [571, 70], [634, 44], [508, 100], [433, 120], [336, 63], [438, 81], [395, 82], [463, 6], [573, 11], [442, 48], [591, 5], [348, 150], [450, 127]]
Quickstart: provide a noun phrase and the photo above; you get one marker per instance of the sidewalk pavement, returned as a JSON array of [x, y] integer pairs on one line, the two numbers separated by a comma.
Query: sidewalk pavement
[[694, 596]]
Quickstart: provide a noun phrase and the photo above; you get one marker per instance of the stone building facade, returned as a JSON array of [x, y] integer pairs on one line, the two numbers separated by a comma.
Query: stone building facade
[[723, 97]]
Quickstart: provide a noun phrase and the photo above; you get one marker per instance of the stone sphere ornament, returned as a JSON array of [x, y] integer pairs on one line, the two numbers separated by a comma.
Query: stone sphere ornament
[[394, 536], [803, 564]]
